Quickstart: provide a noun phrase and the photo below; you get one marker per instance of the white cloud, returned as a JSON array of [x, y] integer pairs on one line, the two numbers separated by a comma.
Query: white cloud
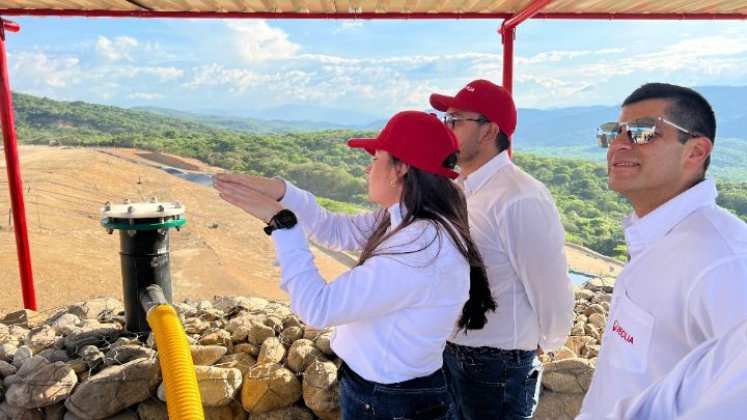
[[163, 73], [144, 96], [555, 56], [119, 49], [348, 25], [37, 71], [256, 41], [237, 80]]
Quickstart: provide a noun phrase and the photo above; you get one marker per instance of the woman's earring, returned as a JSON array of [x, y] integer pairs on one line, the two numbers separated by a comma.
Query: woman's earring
[[393, 183]]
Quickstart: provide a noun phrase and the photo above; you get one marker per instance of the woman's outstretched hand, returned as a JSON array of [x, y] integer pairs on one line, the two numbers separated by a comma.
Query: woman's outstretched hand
[[238, 191]]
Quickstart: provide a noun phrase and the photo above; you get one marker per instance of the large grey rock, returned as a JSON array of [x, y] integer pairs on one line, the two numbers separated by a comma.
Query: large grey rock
[[25, 318], [7, 351], [568, 376], [558, 406], [248, 348], [218, 386], [113, 389], [232, 411], [45, 385], [206, 355], [294, 412], [41, 338], [577, 343], [99, 337], [6, 369], [597, 320], [101, 309], [21, 355], [9, 412], [195, 325], [250, 303], [321, 391], [302, 353], [606, 284], [240, 361], [272, 351], [128, 352], [55, 412], [67, 323], [324, 342], [220, 337], [584, 294], [259, 332], [152, 409], [269, 387], [290, 334]]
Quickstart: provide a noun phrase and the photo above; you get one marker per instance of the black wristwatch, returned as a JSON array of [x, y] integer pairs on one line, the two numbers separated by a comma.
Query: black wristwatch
[[284, 219]]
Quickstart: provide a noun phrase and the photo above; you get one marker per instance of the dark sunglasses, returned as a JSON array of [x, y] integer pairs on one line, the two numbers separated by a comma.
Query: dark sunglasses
[[640, 131]]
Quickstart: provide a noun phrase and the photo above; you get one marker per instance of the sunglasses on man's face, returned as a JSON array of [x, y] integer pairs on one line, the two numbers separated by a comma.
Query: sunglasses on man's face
[[639, 131]]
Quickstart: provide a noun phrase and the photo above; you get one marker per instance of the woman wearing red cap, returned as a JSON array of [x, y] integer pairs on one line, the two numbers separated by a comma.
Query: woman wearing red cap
[[418, 274]]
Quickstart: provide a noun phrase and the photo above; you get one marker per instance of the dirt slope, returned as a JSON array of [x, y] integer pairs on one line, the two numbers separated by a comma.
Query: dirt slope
[[75, 259]]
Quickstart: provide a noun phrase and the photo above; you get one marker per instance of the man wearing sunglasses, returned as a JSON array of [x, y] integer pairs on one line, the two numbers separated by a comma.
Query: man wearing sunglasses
[[494, 373], [686, 281]]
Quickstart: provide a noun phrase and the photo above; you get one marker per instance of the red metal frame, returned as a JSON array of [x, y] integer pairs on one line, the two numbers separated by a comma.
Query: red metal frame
[[13, 167], [365, 16], [507, 31]]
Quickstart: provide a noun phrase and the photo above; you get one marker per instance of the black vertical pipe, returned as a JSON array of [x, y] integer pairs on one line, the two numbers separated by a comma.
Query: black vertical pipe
[[144, 255]]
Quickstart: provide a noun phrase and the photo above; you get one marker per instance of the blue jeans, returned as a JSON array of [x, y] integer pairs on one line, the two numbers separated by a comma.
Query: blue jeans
[[421, 398], [490, 383]]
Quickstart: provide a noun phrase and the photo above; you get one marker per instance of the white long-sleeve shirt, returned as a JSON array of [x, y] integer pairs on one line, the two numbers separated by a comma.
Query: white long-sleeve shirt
[[395, 312], [686, 283], [709, 383], [517, 228]]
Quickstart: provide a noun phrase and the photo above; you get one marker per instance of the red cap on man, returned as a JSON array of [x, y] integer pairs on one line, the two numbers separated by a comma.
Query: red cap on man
[[484, 97], [416, 138]]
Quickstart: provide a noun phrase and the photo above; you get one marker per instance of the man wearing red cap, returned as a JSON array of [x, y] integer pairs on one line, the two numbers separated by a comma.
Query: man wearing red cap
[[494, 372]]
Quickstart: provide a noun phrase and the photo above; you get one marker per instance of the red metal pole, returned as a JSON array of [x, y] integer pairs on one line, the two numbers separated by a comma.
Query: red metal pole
[[507, 36], [14, 174]]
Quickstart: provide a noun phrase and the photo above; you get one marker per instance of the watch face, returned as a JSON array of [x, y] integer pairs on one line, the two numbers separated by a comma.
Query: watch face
[[285, 219]]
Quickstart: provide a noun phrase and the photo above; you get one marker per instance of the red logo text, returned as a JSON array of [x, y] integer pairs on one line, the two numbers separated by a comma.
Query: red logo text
[[617, 328]]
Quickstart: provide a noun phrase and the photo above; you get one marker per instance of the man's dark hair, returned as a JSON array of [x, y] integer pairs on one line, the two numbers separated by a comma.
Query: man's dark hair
[[687, 108], [502, 141]]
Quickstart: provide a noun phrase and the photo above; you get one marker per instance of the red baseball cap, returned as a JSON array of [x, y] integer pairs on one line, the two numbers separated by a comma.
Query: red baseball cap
[[416, 138], [484, 97]]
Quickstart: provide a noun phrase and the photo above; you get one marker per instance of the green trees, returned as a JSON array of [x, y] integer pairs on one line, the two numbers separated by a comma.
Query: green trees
[[590, 212]]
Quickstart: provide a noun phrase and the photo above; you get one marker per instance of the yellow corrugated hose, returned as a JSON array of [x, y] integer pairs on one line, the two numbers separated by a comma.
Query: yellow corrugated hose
[[179, 378]]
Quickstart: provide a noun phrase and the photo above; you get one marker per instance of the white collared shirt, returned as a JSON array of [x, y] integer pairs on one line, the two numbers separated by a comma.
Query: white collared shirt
[[710, 383], [395, 312], [517, 228], [686, 282]]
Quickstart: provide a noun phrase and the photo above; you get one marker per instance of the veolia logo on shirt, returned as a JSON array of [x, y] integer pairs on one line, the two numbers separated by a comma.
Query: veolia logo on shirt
[[469, 88], [617, 328]]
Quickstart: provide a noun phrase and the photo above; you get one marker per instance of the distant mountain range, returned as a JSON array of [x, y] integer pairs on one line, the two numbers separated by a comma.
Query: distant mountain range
[[289, 118], [562, 132]]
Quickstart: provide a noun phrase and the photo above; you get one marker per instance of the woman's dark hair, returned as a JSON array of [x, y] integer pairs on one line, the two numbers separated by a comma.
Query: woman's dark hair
[[435, 198]]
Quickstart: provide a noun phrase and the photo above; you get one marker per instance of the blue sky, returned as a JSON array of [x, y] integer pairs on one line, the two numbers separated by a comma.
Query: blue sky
[[374, 67]]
